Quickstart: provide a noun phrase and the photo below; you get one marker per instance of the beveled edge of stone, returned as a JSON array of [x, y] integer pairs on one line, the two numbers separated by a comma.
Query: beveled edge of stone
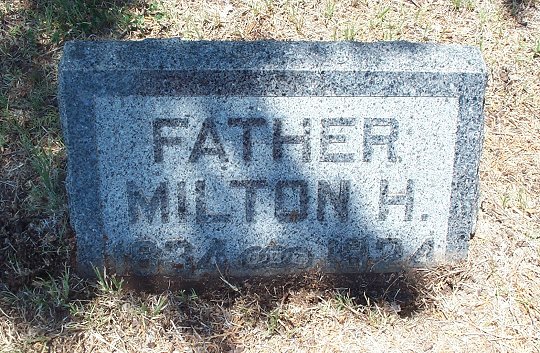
[[176, 54]]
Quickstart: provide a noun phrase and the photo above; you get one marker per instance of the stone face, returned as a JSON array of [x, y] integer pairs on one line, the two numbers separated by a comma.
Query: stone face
[[188, 159]]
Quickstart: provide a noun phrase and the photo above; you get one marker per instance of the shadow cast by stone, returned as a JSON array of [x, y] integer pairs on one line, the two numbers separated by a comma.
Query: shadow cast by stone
[[517, 8], [264, 300]]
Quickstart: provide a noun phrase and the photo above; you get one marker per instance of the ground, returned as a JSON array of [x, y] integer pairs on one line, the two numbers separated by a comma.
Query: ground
[[490, 302]]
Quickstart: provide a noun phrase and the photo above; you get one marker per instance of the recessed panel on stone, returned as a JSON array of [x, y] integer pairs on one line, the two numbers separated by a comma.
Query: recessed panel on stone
[[188, 159]]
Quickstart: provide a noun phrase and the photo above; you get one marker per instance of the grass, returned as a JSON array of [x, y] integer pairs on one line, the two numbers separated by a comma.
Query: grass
[[108, 284], [468, 5], [536, 48], [488, 303]]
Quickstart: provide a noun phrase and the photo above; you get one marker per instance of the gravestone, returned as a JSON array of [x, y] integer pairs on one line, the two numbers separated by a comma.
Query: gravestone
[[194, 159]]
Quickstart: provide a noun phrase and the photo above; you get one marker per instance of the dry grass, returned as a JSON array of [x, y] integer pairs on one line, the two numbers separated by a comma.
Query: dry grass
[[489, 303]]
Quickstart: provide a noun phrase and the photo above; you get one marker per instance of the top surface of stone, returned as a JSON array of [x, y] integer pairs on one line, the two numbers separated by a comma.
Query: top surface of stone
[[172, 54]]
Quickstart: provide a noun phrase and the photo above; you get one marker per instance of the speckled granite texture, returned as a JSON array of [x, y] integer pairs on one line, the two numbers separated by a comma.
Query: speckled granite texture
[[187, 159]]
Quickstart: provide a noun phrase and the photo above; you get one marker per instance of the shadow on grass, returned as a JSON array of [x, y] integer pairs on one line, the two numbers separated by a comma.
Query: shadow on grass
[[517, 9], [35, 239], [33, 221], [57, 312], [216, 313]]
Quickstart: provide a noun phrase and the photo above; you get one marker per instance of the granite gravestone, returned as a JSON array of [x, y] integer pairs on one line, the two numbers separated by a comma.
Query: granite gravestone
[[188, 159]]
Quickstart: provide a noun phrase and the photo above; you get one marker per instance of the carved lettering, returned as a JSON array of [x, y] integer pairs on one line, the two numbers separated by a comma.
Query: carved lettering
[[300, 190], [279, 140], [182, 201], [247, 125], [214, 258], [338, 198], [202, 214], [424, 254], [160, 141], [251, 187], [276, 256], [208, 133], [138, 203], [328, 139], [402, 199], [348, 255], [145, 255], [370, 139]]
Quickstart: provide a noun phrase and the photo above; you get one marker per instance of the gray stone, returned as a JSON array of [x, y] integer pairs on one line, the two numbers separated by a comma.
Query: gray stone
[[189, 159]]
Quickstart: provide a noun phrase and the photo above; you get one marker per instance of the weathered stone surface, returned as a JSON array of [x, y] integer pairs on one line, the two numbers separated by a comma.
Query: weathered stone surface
[[261, 158]]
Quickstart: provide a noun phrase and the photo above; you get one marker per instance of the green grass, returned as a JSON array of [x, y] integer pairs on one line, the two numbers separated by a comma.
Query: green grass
[[275, 321], [63, 19], [468, 5], [46, 298], [184, 297], [47, 193], [108, 284], [344, 301], [349, 33], [329, 10]]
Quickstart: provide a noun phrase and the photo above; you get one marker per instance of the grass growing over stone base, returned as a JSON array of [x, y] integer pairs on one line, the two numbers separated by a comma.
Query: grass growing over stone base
[[488, 303]]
